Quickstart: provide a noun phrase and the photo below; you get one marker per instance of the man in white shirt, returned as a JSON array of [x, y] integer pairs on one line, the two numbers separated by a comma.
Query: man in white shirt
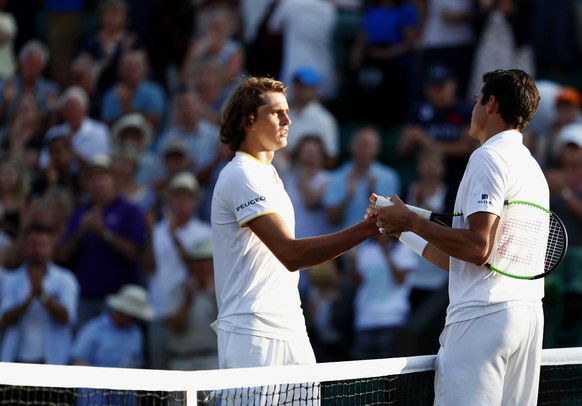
[[89, 137], [260, 320], [494, 324], [168, 259], [310, 116]]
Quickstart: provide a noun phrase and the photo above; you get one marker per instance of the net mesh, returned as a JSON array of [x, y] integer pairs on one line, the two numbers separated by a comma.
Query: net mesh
[[397, 381]]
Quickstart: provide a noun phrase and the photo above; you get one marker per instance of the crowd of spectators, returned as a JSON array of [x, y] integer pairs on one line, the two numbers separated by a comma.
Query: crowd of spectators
[[109, 150]]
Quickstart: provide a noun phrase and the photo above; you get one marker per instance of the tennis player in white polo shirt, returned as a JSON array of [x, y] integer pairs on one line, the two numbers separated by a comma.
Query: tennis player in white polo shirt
[[256, 255], [491, 345]]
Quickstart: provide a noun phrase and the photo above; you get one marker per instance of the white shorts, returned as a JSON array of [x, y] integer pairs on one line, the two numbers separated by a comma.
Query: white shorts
[[243, 350], [491, 360]]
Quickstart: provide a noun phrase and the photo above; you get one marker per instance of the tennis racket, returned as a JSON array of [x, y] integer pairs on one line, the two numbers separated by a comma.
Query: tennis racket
[[531, 240]]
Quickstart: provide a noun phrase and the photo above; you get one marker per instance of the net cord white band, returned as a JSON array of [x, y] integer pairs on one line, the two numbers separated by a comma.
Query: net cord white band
[[158, 380]]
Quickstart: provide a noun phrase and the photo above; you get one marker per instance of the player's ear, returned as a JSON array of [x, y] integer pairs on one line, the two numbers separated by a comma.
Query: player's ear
[[492, 106], [249, 121]]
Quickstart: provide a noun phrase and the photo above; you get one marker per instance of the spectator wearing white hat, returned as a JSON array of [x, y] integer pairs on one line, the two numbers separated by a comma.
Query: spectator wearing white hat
[[114, 338], [135, 131], [168, 259]]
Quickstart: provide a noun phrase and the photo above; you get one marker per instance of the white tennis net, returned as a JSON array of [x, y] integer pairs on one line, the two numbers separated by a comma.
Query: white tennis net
[[395, 381]]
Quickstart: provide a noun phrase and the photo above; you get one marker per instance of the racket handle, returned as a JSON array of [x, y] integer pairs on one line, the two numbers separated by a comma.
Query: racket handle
[[382, 201]]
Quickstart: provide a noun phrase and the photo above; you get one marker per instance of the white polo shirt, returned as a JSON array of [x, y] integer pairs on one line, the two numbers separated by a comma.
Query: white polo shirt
[[255, 293], [501, 169]]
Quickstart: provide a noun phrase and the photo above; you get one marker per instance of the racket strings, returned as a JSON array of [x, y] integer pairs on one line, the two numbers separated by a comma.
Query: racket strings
[[521, 244], [556, 244]]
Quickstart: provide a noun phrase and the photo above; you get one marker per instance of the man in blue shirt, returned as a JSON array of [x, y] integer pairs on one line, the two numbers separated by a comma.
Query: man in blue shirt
[[39, 304]]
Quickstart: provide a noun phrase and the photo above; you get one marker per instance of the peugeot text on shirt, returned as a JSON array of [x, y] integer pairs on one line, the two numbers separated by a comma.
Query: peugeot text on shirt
[[253, 201]]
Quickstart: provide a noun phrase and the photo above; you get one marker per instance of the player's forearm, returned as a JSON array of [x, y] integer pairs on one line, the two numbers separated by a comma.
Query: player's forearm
[[466, 245], [436, 257], [307, 252]]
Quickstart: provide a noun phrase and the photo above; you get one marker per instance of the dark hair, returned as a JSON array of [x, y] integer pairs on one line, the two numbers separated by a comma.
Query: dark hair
[[516, 94], [240, 109]]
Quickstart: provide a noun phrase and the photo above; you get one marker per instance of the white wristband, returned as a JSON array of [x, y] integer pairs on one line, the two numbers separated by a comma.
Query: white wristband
[[413, 241]]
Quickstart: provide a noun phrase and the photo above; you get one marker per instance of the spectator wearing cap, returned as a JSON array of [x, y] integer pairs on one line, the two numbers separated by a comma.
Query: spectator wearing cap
[[564, 289], [198, 134], [39, 304], [168, 258], [88, 137], [440, 121], [133, 130], [114, 339], [174, 159], [103, 240], [192, 343], [61, 170], [310, 116], [567, 107]]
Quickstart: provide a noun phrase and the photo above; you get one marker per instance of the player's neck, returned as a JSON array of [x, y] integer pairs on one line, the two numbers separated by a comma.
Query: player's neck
[[265, 157]]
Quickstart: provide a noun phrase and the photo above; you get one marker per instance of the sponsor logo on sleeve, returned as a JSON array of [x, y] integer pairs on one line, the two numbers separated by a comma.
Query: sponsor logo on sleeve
[[250, 203], [484, 199]]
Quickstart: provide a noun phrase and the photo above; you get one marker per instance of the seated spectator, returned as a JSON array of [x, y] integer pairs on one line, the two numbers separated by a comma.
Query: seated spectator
[[62, 168], [114, 339], [124, 166], [192, 343], [216, 44], [133, 130], [82, 74], [441, 121], [175, 159], [88, 137], [348, 193], [39, 304], [168, 259], [134, 92], [198, 134], [306, 183], [8, 30], [567, 105], [52, 209], [381, 305], [103, 241], [328, 307], [309, 116], [32, 61], [107, 45], [24, 135], [14, 188]]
